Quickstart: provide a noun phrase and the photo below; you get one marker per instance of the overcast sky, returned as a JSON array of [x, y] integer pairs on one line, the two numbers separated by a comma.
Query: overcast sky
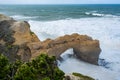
[[59, 1]]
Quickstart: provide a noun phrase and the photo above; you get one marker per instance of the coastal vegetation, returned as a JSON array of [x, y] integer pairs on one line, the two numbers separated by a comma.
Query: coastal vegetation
[[82, 76], [18, 45], [41, 68]]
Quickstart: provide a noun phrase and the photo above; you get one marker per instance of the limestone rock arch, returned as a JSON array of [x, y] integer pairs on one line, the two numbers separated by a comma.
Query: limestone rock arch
[[84, 47]]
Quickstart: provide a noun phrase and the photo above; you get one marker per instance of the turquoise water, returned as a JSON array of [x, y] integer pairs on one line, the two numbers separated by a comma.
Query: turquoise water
[[57, 12], [101, 22]]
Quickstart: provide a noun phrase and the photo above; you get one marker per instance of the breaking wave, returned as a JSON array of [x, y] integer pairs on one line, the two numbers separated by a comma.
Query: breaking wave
[[21, 17], [106, 30]]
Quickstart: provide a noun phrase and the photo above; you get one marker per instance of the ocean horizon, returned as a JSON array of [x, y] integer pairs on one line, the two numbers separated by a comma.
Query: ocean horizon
[[100, 21]]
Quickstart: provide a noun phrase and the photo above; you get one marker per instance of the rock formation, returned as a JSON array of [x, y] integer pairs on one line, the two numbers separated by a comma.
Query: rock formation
[[77, 76], [15, 37], [3, 17], [25, 45], [84, 47], [71, 77]]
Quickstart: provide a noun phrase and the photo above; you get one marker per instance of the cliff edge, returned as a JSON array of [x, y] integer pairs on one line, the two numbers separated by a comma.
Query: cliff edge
[[17, 41]]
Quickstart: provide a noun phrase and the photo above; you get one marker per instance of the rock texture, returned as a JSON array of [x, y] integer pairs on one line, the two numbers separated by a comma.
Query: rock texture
[[78, 76], [15, 36], [83, 46], [3, 17], [71, 77], [17, 41]]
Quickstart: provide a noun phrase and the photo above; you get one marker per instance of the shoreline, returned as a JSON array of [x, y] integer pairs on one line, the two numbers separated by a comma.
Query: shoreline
[[34, 44]]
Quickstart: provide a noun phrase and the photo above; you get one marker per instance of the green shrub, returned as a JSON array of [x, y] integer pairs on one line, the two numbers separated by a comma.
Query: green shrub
[[41, 68], [46, 67], [32, 33], [46, 78], [83, 77], [4, 67], [25, 72], [13, 68]]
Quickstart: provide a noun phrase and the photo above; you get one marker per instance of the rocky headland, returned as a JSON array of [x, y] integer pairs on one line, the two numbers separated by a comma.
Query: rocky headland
[[84, 47], [17, 41], [15, 36], [22, 43]]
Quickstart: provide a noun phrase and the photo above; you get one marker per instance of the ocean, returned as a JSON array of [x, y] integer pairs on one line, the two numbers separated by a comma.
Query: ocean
[[100, 21]]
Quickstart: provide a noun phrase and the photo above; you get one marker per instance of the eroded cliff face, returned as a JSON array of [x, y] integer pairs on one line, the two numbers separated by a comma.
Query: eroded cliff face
[[3, 17], [84, 47], [27, 46], [15, 37]]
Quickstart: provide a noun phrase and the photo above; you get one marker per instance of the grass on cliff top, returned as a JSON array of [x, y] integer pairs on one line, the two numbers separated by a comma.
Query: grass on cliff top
[[82, 77]]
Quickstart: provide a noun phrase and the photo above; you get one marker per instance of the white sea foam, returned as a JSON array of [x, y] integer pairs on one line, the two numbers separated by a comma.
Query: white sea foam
[[21, 17], [105, 29], [74, 65], [95, 13]]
